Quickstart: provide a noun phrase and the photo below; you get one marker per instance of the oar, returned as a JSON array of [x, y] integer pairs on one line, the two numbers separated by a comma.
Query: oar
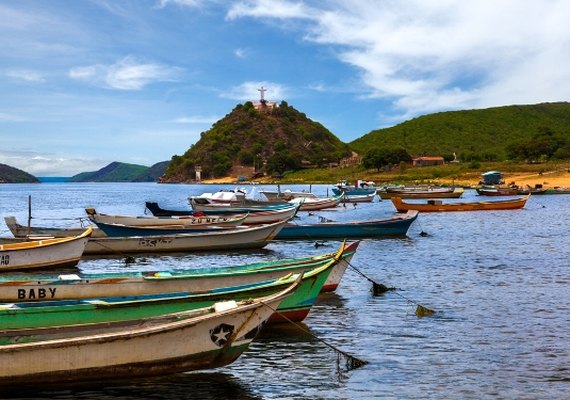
[[351, 362], [379, 288]]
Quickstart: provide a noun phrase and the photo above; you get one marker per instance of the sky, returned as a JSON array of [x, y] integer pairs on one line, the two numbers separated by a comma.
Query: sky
[[87, 82]]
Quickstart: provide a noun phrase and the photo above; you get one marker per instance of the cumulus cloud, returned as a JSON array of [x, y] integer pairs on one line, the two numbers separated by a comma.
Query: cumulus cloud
[[49, 164], [249, 91], [127, 74], [425, 56], [197, 119], [25, 75]]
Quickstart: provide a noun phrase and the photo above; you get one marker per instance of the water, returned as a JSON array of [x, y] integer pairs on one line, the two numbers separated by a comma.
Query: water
[[498, 281]]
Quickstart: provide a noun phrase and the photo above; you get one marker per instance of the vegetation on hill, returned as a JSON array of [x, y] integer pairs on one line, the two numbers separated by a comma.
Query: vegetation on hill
[[493, 134], [10, 174], [270, 139], [122, 172]]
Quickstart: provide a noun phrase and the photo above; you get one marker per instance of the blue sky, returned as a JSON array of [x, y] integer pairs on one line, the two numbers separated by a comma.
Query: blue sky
[[87, 82]]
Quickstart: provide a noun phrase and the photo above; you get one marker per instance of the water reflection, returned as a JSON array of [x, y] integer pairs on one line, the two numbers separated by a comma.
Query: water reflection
[[212, 385]]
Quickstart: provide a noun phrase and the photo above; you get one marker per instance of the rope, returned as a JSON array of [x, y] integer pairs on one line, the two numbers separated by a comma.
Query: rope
[[351, 362]]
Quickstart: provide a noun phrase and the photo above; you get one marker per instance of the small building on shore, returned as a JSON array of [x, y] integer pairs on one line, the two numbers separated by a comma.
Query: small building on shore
[[427, 161]]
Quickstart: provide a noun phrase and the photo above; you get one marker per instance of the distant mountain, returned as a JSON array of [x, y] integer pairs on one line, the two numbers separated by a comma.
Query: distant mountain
[[10, 174], [485, 133], [153, 173], [122, 172]]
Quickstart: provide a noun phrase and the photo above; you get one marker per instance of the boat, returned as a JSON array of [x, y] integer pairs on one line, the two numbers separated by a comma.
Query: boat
[[360, 187], [395, 226], [314, 204], [52, 313], [40, 287], [498, 191], [250, 237], [199, 339], [359, 198], [235, 197], [171, 221], [44, 253], [420, 192], [254, 215], [121, 230], [436, 205]]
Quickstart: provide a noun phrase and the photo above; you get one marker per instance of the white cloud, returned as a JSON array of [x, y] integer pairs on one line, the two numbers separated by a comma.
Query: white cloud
[[197, 119], [48, 164], [185, 3], [249, 91], [25, 75], [126, 74], [426, 56], [240, 53], [281, 9], [5, 117]]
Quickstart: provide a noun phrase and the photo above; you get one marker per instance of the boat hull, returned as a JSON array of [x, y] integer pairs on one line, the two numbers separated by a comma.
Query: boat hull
[[397, 226], [47, 253], [211, 340], [437, 206]]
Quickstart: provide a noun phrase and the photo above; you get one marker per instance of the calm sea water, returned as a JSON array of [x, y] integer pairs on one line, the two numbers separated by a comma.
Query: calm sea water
[[498, 281]]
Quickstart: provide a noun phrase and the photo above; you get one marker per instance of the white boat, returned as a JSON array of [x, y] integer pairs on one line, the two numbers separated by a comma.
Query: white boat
[[241, 237], [313, 204], [207, 338], [173, 221], [44, 253]]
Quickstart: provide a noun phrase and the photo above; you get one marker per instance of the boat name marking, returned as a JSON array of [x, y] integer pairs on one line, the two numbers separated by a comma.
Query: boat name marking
[[5, 259], [40, 293], [153, 242]]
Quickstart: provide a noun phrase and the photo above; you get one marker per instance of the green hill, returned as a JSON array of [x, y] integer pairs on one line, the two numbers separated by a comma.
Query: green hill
[[10, 174], [114, 172], [485, 134], [268, 139]]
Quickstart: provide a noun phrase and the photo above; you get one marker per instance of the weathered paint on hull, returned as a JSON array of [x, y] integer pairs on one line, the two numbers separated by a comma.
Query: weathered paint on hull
[[43, 314], [19, 288]]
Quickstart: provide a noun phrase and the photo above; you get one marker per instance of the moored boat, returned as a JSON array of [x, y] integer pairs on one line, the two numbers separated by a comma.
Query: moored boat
[[44, 253], [51, 313], [195, 340], [40, 287], [394, 226], [180, 221], [255, 215], [313, 204], [436, 205], [421, 192], [250, 237]]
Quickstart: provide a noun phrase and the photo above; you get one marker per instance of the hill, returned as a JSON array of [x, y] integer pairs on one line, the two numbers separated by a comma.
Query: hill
[[10, 174], [484, 134], [250, 139], [122, 172]]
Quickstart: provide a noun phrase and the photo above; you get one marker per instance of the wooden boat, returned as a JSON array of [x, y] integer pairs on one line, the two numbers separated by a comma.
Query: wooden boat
[[421, 193], [46, 253], [171, 221], [18, 288], [120, 230], [199, 339], [23, 231], [254, 215], [358, 198], [313, 204], [234, 197], [360, 187], [250, 237], [497, 191], [51, 313], [396, 226], [437, 205]]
